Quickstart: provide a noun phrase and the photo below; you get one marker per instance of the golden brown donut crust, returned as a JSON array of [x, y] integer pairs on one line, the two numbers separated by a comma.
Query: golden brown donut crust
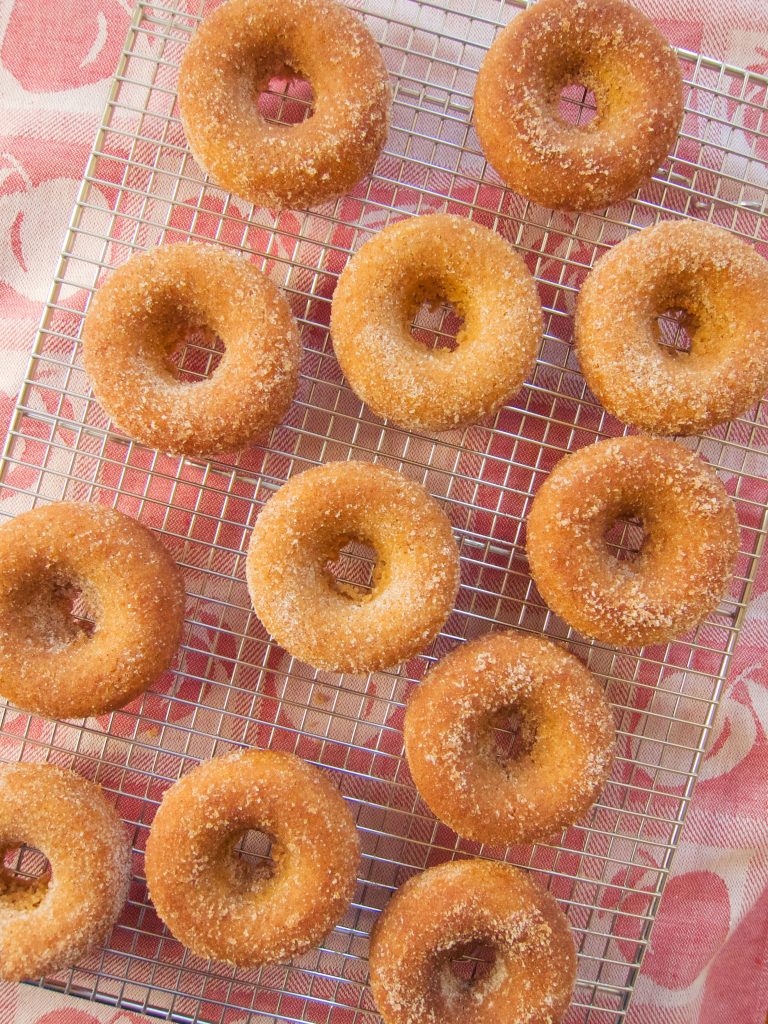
[[208, 897], [306, 524], [234, 53], [449, 744], [436, 914], [610, 48], [148, 306], [379, 292], [50, 923], [721, 283], [131, 585], [685, 563]]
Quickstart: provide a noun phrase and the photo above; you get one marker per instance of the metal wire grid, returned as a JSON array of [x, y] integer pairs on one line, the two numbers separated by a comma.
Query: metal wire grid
[[231, 685]]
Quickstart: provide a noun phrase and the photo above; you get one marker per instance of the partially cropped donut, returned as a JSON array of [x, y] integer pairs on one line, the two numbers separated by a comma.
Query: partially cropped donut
[[234, 53], [148, 308], [684, 565], [333, 625], [220, 906], [607, 46], [423, 259], [49, 663], [447, 911], [449, 740], [51, 922], [721, 284]]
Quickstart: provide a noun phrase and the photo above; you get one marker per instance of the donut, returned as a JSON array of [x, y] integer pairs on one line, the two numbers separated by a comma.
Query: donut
[[686, 561], [606, 46], [51, 664], [221, 907], [565, 718], [337, 626], [444, 913], [149, 307], [424, 259], [232, 56], [51, 922], [722, 285]]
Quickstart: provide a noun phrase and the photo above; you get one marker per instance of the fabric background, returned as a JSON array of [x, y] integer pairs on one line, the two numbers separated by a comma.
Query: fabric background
[[707, 963]]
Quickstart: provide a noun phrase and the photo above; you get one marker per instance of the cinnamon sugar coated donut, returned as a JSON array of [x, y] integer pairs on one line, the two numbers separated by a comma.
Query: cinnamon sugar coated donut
[[449, 742], [220, 906], [686, 561], [233, 55], [608, 47], [50, 663], [721, 283], [337, 626], [51, 922], [149, 307], [425, 259], [446, 911]]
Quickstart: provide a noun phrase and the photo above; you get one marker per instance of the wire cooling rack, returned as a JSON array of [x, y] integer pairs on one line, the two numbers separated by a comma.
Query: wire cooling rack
[[231, 685]]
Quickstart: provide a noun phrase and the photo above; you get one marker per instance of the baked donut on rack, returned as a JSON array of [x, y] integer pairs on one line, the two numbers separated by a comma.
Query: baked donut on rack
[[446, 912], [232, 56], [50, 922], [335, 625], [720, 283], [50, 663], [214, 901], [606, 46], [423, 259], [684, 565], [148, 308], [566, 726]]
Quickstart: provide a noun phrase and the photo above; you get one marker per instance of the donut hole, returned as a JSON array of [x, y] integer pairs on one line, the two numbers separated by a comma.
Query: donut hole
[[576, 105], [509, 735], [25, 876], [196, 355], [353, 571], [674, 331], [471, 962], [286, 98], [56, 612], [435, 322], [625, 538], [252, 856]]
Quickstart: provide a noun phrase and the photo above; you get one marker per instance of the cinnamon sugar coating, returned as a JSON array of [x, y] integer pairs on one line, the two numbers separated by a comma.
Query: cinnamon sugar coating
[[684, 566], [218, 905], [132, 587], [379, 292], [334, 626], [148, 307], [234, 53], [449, 739], [49, 923], [445, 910], [610, 48], [721, 283]]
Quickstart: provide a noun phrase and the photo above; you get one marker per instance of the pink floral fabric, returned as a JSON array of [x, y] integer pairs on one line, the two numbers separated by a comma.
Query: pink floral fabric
[[707, 960]]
